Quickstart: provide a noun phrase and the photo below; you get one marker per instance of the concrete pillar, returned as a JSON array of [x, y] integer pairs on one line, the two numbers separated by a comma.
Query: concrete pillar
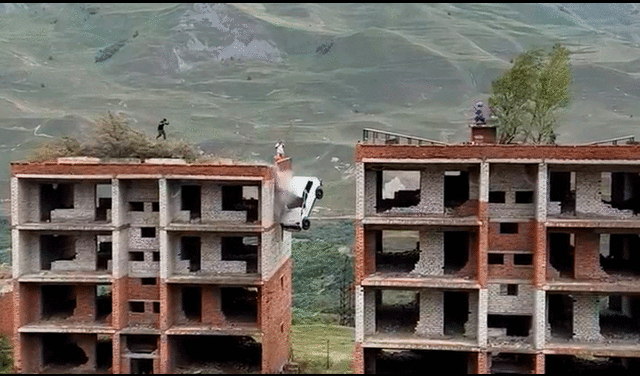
[[370, 180], [369, 312], [163, 203], [16, 197], [483, 230], [18, 262], [360, 189], [484, 182], [483, 303], [586, 318], [116, 361], [542, 192], [539, 319], [471, 326], [359, 314], [431, 322], [165, 355]]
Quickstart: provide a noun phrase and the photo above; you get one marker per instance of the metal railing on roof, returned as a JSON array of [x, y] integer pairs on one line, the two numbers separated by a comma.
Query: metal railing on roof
[[613, 141], [370, 135]]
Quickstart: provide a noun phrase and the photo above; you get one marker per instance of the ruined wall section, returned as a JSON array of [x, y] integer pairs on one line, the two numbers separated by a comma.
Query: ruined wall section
[[431, 321], [502, 304], [431, 190], [511, 179], [586, 318], [84, 205], [275, 248], [210, 256], [29, 201], [589, 196], [431, 260], [146, 245], [145, 191], [148, 295], [86, 255]]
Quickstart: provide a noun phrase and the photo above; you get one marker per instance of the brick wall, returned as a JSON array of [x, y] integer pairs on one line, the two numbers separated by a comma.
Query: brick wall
[[136, 168], [511, 179], [142, 293], [6, 309], [587, 256], [211, 306], [564, 152], [358, 359], [500, 303], [276, 319], [509, 242], [431, 320]]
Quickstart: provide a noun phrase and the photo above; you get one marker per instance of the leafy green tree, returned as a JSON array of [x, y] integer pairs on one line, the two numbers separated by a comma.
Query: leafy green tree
[[527, 98]]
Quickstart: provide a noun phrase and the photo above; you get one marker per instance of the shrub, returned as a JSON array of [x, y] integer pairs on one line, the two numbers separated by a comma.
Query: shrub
[[113, 138]]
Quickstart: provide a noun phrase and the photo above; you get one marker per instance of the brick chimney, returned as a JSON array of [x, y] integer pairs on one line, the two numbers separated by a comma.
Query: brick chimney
[[483, 134]]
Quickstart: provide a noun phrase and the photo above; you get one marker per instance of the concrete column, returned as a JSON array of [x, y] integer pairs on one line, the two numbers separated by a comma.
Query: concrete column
[[18, 262], [539, 319], [483, 302], [16, 197], [165, 355], [369, 312], [359, 314], [360, 189], [484, 182], [370, 187], [163, 202], [471, 326], [586, 318], [542, 194], [483, 230], [163, 240], [164, 254], [119, 238], [431, 322]]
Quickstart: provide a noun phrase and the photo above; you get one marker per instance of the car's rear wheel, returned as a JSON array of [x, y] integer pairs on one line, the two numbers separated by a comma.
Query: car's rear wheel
[[306, 223], [319, 193]]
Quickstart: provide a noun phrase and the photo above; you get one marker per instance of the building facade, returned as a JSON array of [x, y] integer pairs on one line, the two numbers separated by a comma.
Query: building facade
[[497, 258], [157, 266]]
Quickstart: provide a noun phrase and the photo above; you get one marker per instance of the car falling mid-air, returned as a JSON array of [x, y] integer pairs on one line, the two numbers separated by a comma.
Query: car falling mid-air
[[303, 193]]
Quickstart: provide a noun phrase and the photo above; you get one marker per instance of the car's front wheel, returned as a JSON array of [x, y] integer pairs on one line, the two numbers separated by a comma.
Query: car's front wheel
[[319, 193], [306, 223]]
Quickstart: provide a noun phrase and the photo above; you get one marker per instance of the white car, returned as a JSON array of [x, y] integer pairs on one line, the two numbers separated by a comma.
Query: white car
[[302, 195]]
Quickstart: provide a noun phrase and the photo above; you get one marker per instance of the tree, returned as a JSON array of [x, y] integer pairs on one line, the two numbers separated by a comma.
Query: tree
[[527, 98]]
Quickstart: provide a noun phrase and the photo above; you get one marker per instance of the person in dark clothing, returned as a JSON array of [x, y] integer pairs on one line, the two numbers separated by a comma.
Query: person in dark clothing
[[479, 119], [163, 122]]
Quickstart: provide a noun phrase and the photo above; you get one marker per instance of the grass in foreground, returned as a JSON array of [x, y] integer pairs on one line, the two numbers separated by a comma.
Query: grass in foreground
[[309, 346]]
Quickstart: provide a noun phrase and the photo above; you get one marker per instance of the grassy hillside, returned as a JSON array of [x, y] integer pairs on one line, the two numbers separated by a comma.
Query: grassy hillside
[[323, 267], [322, 348]]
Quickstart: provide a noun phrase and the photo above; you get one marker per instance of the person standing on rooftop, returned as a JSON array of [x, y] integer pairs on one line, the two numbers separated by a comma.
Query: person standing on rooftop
[[163, 122]]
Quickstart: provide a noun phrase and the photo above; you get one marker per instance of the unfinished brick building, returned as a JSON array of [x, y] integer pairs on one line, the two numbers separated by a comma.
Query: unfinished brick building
[[496, 258], [155, 266]]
